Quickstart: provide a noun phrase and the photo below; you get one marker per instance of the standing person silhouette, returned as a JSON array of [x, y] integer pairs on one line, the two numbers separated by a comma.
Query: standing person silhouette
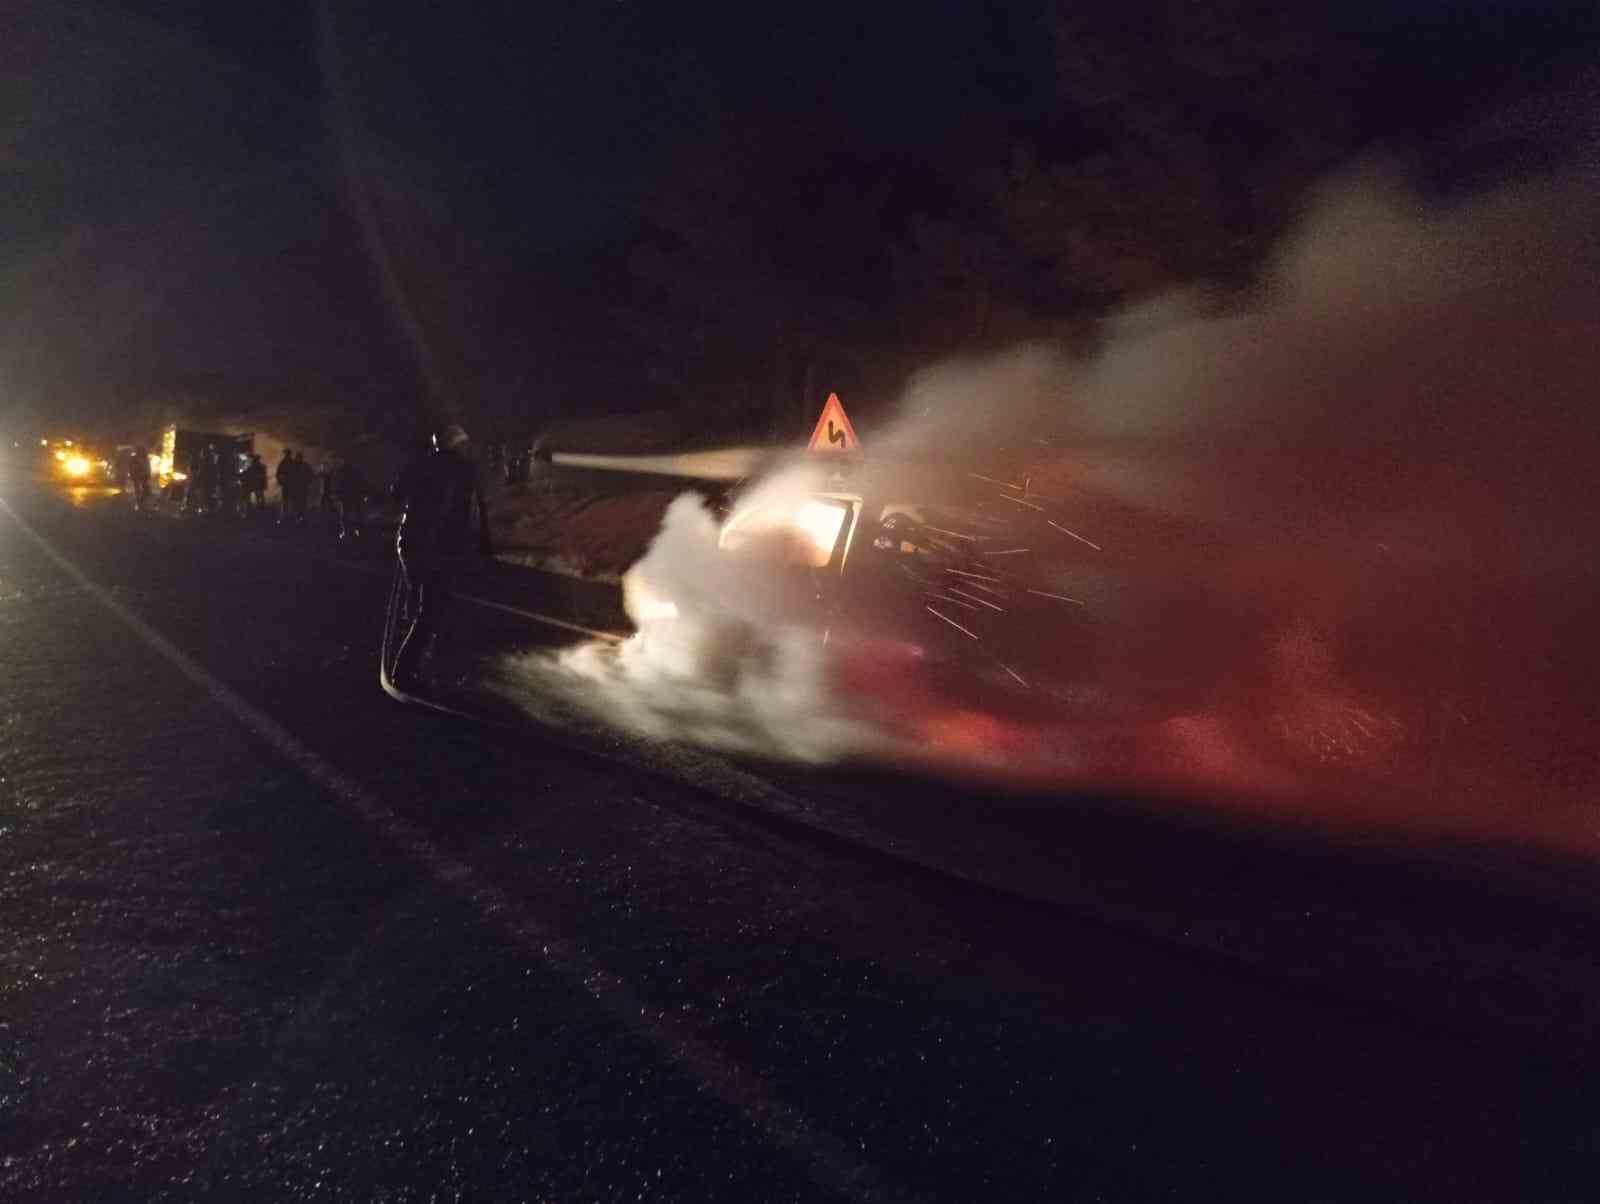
[[443, 511]]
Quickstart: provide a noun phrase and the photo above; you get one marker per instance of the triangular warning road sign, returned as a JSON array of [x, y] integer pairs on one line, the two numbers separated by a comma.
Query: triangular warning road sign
[[834, 432]]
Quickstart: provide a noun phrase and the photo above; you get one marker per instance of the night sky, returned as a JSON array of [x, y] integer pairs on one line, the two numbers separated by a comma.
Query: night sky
[[185, 181]]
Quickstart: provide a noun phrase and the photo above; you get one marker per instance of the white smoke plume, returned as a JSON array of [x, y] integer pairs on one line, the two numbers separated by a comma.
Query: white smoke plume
[[724, 655], [1378, 468], [1408, 345]]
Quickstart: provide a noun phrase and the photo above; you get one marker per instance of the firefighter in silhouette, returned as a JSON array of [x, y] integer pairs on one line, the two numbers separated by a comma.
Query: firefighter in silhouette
[[228, 483], [254, 481], [139, 477], [285, 479], [348, 491], [202, 480], [301, 476], [444, 519]]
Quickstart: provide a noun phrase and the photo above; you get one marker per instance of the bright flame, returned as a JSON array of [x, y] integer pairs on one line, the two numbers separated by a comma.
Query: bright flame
[[645, 604], [813, 521], [820, 523], [77, 466]]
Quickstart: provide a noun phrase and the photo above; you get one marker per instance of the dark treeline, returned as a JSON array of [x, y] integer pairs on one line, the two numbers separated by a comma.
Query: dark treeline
[[518, 216], [781, 247]]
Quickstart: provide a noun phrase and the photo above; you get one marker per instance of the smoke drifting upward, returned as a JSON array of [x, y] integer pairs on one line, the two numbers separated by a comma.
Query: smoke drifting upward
[[1392, 361], [1379, 464]]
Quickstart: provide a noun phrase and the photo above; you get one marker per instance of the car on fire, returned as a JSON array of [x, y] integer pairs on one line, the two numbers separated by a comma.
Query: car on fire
[[916, 576]]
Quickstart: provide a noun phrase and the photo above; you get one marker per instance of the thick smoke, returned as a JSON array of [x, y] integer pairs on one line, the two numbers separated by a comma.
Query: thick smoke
[[724, 654], [1391, 357], [1373, 476]]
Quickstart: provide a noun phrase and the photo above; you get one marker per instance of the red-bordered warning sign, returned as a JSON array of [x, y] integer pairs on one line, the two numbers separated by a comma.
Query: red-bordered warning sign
[[834, 432]]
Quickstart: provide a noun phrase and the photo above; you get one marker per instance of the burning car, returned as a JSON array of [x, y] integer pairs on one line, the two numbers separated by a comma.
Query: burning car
[[915, 579]]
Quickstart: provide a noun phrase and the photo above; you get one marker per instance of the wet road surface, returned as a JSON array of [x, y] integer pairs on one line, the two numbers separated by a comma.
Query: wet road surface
[[270, 936]]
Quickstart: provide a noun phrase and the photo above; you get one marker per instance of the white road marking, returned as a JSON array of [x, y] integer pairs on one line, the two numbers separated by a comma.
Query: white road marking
[[827, 1160]]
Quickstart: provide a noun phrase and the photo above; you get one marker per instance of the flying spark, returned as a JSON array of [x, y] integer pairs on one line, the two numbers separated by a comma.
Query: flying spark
[[1057, 597], [1074, 535], [950, 621], [992, 480], [1020, 502], [978, 600]]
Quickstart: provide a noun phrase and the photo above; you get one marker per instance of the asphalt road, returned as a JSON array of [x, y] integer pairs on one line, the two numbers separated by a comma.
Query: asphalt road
[[268, 935]]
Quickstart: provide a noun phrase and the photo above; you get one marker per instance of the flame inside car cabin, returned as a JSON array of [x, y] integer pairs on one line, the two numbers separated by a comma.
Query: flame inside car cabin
[[726, 652], [811, 526]]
